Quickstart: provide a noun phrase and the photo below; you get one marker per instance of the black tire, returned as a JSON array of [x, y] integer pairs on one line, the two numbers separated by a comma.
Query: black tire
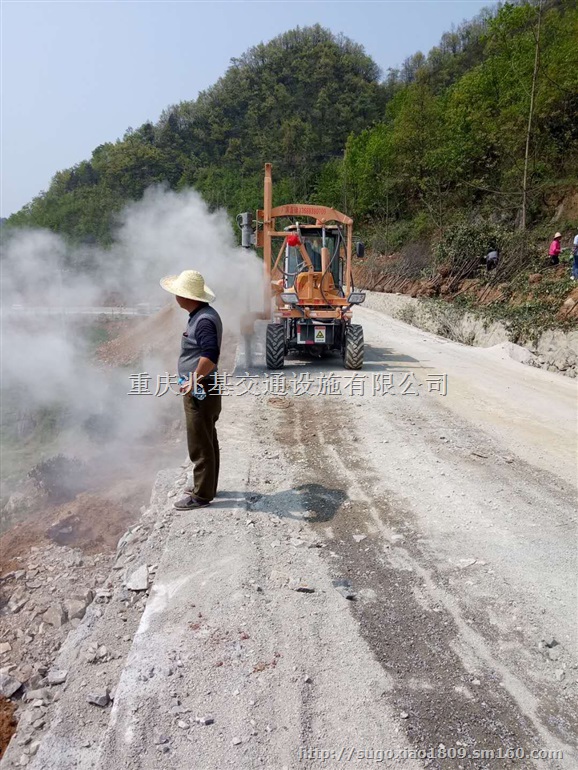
[[275, 346], [353, 349]]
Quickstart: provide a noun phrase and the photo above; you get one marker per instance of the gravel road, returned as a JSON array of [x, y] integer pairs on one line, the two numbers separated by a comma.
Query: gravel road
[[387, 577]]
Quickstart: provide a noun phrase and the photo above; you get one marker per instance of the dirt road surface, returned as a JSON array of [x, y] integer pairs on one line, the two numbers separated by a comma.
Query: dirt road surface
[[386, 578]]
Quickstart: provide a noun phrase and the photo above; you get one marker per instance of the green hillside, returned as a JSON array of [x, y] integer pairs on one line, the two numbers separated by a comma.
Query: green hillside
[[485, 124]]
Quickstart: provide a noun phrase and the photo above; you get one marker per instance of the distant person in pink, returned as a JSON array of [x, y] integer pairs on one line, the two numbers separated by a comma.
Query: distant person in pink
[[555, 249]]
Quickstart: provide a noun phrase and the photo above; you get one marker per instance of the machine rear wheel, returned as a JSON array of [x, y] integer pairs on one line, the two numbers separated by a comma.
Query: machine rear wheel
[[353, 349], [275, 346]]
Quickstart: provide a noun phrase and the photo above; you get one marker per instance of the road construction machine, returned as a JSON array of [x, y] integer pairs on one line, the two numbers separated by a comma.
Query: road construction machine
[[308, 284]]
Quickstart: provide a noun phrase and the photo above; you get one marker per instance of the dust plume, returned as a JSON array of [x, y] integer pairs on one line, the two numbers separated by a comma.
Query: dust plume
[[57, 396]]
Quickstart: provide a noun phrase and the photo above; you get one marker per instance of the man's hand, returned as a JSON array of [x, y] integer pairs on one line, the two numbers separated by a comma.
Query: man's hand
[[194, 384], [195, 389], [204, 368]]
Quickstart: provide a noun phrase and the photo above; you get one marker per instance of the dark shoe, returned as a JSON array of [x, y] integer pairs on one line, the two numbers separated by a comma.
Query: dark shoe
[[189, 502]]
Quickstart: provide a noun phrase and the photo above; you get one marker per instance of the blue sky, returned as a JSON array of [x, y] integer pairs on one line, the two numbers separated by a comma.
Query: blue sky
[[77, 74]]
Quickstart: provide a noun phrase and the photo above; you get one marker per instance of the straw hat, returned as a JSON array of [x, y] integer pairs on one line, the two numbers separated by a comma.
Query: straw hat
[[189, 284], [558, 235]]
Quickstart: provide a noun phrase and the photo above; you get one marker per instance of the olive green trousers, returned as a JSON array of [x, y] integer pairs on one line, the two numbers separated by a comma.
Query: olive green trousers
[[201, 418]]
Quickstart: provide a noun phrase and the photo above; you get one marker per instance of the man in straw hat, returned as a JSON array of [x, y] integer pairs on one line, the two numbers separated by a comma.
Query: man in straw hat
[[200, 349]]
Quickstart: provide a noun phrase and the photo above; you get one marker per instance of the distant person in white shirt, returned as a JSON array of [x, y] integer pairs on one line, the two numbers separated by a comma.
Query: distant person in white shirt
[[575, 259]]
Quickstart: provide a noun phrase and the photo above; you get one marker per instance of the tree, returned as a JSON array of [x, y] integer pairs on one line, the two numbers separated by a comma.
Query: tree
[[530, 118]]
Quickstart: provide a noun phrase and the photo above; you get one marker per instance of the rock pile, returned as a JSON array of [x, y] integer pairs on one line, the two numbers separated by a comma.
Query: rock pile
[[43, 600]]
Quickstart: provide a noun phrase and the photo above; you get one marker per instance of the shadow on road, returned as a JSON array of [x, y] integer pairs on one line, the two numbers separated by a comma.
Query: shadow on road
[[314, 503], [374, 356], [375, 359]]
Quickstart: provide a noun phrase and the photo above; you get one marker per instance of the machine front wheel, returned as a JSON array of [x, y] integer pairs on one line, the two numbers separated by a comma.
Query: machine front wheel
[[353, 349], [275, 346]]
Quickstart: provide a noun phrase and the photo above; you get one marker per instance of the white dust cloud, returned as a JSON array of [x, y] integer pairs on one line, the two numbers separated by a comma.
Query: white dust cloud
[[49, 361]]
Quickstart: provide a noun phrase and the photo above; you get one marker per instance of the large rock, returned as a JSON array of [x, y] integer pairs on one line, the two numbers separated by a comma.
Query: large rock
[[17, 600], [300, 586], [55, 616], [42, 694], [9, 685], [57, 676], [139, 579], [569, 307], [28, 676], [563, 359], [75, 608], [86, 596], [100, 697], [125, 540]]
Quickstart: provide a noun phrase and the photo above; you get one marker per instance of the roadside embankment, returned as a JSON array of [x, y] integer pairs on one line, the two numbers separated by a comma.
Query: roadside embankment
[[555, 350]]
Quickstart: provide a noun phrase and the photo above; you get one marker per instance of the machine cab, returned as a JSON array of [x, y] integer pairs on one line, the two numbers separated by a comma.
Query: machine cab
[[314, 238]]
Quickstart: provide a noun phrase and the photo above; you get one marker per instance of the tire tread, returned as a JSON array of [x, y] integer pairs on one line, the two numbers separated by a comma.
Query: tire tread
[[275, 346], [353, 352]]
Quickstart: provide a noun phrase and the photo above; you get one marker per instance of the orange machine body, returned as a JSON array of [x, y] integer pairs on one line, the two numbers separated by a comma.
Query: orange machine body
[[308, 286], [316, 291]]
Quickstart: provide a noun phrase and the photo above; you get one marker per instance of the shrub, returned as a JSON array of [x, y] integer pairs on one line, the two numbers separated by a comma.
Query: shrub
[[464, 245], [61, 477]]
